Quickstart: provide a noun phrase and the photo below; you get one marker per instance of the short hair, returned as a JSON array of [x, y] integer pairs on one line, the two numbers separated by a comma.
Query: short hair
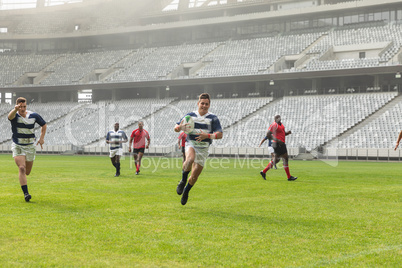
[[204, 96], [277, 116], [21, 99]]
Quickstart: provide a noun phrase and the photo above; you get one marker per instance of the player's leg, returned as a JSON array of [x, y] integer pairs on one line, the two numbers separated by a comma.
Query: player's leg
[[22, 176], [117, 165], [113, 159], [285, 158], [183, 150], [271, 164], [135, 155], [272, 159], [196, 171], [190, 156], [139, 157]]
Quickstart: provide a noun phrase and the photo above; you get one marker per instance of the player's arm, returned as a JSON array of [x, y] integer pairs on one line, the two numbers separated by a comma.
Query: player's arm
[[41, 140], [214, 136], [271, 137], [13, 112], [130, 143], [288, 133], [107, 138], [124, 140], [399, 139], [263, 140], [148, 142]]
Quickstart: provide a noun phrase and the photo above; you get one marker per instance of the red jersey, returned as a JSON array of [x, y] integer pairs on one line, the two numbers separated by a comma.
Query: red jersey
[[139, 136], [183, 137], [278, 131]]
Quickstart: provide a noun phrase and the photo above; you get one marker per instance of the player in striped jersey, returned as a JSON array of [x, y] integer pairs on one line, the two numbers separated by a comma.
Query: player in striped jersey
[[116, 138], [206, 128], [23, 145]]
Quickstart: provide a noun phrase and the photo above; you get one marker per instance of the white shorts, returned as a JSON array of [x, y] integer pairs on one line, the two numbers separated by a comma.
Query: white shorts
[[271, 149], [201, 154], [114, 152], [29, 151]]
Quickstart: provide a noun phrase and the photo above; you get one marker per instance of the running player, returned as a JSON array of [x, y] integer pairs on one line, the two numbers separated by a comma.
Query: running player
[[116, 138], [137, 139], [206, 128], [23, 147], [276, 133]]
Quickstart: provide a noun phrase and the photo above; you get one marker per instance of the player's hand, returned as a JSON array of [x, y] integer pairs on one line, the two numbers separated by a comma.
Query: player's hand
[[18, 106], [147, 146], [41, 142], [129, 149], [202, 136], [396, 147], [289, 132], [185, 127]]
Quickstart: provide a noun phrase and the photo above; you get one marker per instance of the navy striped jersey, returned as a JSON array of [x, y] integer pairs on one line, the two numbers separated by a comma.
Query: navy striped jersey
[[209, 123], [23, 127], [114, 136]]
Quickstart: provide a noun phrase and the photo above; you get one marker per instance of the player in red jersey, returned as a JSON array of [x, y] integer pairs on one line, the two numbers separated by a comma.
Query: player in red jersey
[[276, 133], [137, 139], [398, 140], [182, 144]]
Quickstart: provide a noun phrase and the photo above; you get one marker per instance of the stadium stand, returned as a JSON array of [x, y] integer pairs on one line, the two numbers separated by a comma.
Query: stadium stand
[[313, 120]]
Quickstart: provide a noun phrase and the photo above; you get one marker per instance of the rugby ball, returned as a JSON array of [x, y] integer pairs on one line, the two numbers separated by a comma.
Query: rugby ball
[[188, 124]]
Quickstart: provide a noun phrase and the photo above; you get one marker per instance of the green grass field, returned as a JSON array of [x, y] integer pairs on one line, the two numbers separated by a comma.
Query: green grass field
[[81, 215]]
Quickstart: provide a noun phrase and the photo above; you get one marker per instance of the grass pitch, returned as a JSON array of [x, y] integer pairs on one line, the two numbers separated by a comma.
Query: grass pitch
[[81, 215]]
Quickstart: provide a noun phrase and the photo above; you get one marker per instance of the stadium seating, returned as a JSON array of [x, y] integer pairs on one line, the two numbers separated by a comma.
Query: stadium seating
[[380, 133], [313, 120], [210, 59]]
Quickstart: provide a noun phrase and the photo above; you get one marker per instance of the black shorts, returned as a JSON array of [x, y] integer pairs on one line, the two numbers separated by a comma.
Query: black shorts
[[279, 149], [139, 150]]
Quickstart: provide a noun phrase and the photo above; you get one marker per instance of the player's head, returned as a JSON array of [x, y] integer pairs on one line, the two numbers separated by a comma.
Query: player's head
[[277, 118], [204, 102], [116, 126], [140, 124], [22, 102]]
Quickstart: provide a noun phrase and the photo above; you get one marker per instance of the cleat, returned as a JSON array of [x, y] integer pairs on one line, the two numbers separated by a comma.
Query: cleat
[[137, 173], [275, 167], [184, 198], [292, 178], [117, 174], [180, 187], [27, 197], [263, 175]]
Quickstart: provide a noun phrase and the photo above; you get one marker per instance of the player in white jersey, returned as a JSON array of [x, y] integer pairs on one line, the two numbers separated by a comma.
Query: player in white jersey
[[206, 128], [23, 146], [116, 138]]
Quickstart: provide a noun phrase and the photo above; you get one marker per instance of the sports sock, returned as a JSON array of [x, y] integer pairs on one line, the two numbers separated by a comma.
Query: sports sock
[[287, 171], [268, 167], [187, 188], [184, 176], [24, 189], [137, 167], [114, 164], [117, 167]]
